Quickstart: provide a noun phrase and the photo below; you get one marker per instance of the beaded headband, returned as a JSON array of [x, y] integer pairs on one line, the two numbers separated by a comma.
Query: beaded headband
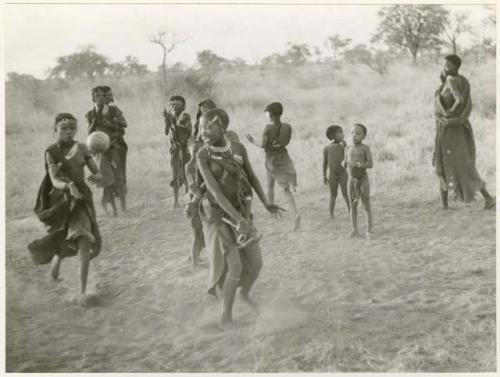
[[65, 121]]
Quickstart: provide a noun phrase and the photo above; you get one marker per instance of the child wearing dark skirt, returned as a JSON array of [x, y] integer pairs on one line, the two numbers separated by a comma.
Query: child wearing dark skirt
[[64, 203]]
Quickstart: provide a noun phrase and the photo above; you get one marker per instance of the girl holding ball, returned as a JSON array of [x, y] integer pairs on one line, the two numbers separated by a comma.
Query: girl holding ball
[[64, 204]]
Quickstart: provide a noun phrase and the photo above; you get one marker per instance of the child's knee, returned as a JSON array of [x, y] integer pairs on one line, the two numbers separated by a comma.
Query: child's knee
[[84, 248]]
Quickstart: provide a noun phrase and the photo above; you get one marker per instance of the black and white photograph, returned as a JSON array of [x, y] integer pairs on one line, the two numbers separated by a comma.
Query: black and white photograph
[[249, 187]]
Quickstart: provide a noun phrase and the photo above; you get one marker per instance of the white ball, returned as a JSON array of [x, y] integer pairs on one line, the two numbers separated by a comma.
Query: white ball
[[98, 142]]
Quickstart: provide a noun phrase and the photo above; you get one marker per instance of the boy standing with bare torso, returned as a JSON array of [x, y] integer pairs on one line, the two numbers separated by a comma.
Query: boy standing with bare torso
[[358, 159]]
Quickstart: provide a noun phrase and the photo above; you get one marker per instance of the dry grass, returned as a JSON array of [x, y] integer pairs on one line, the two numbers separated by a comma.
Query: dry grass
[[396, 109], [418, 297]]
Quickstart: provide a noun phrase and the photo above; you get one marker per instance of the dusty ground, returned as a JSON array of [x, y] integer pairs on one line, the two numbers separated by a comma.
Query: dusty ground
[[418, 296]]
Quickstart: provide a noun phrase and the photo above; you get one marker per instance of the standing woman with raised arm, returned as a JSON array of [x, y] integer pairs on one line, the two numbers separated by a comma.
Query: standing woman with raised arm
[[455, 151]]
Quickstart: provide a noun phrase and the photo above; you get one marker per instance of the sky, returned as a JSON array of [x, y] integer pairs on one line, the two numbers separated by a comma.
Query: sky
[[36, 34]]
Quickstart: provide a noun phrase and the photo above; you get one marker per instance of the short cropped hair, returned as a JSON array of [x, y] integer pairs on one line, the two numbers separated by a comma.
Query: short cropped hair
[[208, 103], [178, 98], [62, 116], [363, 127], [274, 108], [218, 115], [232, 136], [454, 59], [332, 131]]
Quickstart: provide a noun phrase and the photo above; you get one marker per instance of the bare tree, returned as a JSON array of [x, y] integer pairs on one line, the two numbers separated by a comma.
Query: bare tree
[[168, 43], [337, 44], [454, 27]]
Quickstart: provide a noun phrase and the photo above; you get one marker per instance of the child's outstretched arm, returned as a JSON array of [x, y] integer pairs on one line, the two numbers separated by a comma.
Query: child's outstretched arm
[[263, 143], [255, 183], [325, 166], [96, 176]]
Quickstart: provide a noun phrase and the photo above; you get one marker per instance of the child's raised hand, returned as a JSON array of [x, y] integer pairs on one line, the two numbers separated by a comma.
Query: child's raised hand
[[250, 138], [245, 227], [344, 164], [275, 210], [74, 191], [95, 178]]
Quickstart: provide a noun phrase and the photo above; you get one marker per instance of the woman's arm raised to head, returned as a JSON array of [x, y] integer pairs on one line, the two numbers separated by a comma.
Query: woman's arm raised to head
[[454, 85]]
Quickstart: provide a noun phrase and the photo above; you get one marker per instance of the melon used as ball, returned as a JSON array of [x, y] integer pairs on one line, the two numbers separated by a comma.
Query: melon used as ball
[[98, 142]]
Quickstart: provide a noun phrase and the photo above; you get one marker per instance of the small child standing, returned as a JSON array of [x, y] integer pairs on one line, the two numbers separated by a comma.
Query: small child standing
[[333, 155], [358, 159]]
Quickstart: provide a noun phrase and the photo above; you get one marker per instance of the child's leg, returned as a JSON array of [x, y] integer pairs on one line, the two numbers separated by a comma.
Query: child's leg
[[270, 188], [343, 188], [113, 204], [196, 247], [251, 258], [489, 201], [444, 198], [175, 187], [354, 208], [84, 253], [365, 199], [231, 283], [122, 198], [55, 267], [104, 201], [334, 183], [443, 191], [176, 170], [291, 202]]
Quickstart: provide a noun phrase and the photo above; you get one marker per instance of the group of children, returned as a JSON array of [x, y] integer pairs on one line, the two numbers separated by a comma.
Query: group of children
[[64, 202], [346, 167], [220, 180], [212, 164]]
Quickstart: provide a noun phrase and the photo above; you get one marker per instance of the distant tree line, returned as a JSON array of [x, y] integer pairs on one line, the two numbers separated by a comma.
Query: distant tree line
[[419, 31]]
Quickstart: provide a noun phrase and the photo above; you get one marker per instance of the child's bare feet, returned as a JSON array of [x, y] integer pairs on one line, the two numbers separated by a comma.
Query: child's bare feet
[[442, 183], [490, 203], [247, 300], [354, 234], [296, 225], [55, 267], [226, 321]]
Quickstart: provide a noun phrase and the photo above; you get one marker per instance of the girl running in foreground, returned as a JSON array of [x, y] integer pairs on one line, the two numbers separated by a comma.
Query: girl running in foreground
[[64, 203], [228, 179]]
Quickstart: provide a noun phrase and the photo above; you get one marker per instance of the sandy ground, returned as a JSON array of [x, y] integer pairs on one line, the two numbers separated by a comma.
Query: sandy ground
[[418, 296]]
